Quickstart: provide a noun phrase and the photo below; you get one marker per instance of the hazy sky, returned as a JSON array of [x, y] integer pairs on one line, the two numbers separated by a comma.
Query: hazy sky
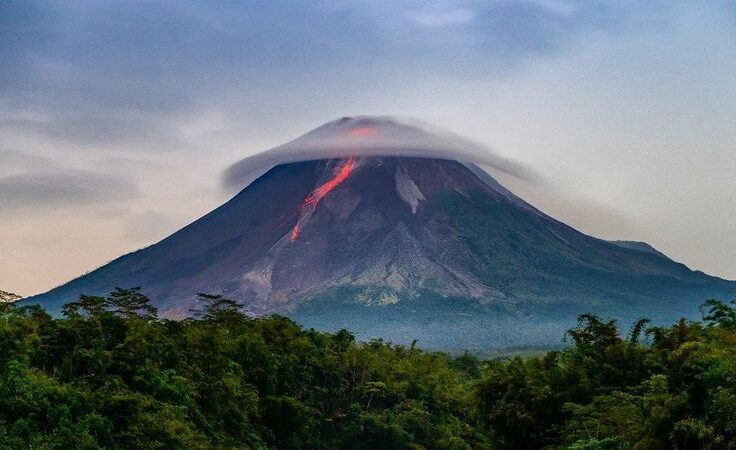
[[117, 119]]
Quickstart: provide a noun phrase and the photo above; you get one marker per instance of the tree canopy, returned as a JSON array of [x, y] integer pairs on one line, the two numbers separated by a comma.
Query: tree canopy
[[111, 374]]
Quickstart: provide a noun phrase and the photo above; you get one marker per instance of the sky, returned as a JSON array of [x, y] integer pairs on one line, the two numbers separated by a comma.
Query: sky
[[119, 119]]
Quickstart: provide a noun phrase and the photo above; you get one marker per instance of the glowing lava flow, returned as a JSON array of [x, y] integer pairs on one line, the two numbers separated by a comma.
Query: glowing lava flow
[[310, 203]]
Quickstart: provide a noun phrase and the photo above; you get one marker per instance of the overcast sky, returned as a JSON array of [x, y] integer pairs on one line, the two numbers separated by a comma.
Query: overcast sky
[[117, 119]]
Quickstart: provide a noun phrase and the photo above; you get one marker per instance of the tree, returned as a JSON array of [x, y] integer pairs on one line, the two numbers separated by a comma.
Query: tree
[[132, 303], [218, 308], [593, 333], [636, 330], [104, 378], [720, 313], [89, 306]]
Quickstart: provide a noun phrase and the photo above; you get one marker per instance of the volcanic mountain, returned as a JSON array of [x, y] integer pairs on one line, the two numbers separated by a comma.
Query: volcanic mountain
[[401, 248]]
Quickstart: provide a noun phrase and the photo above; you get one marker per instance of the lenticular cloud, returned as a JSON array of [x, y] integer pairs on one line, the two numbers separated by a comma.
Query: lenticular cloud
[[370, 136]]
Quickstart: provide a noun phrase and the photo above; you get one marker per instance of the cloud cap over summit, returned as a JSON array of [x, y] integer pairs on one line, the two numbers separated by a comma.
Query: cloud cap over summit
[[372, 136]]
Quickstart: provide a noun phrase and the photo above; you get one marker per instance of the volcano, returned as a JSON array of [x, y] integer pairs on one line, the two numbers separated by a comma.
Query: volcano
[[400, 247]]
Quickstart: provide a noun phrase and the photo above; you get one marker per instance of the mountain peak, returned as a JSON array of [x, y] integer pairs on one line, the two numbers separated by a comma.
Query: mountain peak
[[367, 136]]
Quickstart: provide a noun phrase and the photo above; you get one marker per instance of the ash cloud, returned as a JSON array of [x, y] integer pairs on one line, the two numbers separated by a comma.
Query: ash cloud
[[372, 136]]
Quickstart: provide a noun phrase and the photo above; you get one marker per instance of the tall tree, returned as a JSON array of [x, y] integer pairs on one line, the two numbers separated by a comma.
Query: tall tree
[[91, 306], [132, 303], [720, 313], [217, 308]]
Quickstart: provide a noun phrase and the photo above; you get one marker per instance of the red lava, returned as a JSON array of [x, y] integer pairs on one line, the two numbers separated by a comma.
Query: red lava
[[310, 203]]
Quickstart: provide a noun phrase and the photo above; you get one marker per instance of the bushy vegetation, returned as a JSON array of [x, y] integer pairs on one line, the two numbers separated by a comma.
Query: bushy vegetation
[[110, 374]]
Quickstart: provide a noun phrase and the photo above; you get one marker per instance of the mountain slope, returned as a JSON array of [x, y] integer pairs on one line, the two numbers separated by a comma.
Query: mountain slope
[[402, 248], [425, 243]]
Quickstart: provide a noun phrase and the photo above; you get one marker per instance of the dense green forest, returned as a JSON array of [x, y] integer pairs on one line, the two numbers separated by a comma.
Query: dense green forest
[[110, 374]]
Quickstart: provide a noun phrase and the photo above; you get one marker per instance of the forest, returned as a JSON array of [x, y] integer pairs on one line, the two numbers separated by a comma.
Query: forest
[[111, 374]]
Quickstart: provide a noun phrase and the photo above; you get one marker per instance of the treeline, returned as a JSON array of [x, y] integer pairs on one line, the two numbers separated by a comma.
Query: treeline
[[111, 374]]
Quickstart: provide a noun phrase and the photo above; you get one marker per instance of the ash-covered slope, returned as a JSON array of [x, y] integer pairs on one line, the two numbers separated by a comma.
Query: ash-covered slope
[[402, 248]]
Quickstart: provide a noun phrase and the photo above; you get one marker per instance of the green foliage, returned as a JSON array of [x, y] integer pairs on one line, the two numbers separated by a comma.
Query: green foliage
[[720, 313], [636, 330], [112, 375], [678, 392]]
